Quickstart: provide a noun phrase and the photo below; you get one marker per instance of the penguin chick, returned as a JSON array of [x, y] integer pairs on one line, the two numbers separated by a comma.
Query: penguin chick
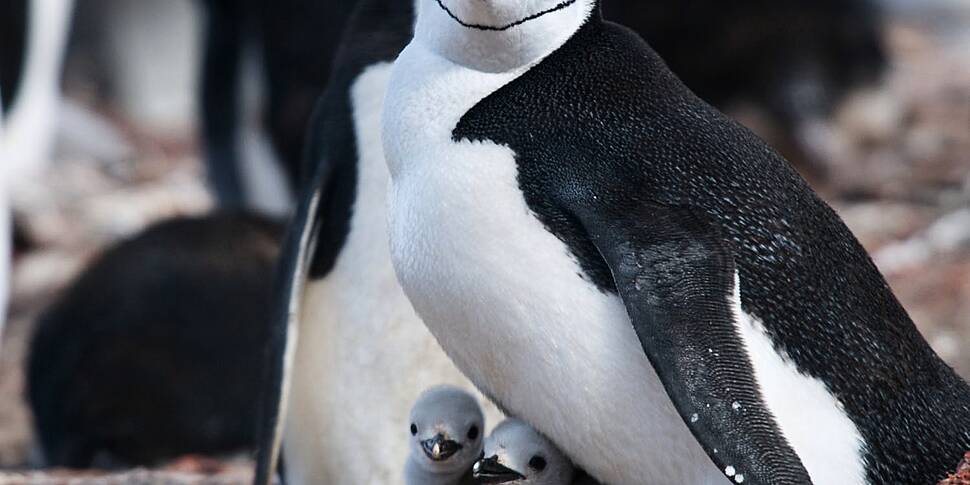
[[446, 437], [515, 453]]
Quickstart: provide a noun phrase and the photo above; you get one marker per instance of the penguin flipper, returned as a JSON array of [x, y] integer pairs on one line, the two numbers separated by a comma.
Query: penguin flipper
[[676, 278], [297, 253]]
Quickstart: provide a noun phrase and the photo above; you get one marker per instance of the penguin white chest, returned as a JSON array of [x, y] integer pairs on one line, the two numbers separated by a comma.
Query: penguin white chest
[[505, 297]]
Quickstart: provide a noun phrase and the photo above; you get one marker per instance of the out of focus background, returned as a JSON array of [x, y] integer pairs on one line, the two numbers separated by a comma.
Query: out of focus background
[[184, 109]]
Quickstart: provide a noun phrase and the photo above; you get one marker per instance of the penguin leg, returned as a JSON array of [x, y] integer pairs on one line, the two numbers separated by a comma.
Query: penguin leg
[[676, 277]]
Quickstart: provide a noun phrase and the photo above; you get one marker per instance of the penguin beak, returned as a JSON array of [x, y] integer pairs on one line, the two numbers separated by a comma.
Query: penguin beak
[[439, 448], [489, 471]]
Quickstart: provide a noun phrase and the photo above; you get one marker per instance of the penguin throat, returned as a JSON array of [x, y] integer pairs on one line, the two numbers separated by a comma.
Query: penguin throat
[[509, 25], [498, 47]]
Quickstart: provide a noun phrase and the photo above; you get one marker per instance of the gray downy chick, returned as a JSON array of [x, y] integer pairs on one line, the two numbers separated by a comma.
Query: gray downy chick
[[446, 437], [516, 454]]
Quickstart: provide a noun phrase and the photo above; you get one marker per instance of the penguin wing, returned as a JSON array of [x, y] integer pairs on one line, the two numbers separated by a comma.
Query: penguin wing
[[291, 275], [676, 277]]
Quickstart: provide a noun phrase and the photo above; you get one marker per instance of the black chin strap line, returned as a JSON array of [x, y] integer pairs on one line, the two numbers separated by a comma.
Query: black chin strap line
[[560, 6]]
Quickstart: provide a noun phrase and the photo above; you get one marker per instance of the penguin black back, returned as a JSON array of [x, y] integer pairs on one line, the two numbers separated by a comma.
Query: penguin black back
[[153, 351], [633, 133]]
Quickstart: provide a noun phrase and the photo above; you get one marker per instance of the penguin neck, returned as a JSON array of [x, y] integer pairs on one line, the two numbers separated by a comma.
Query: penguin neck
[[499, 45], [415, 474]]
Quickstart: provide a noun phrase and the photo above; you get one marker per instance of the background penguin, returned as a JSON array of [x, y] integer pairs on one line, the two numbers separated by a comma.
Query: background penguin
[[296, 40], [359, 339], [642, 266], [446, 437], [31, 46], [152, 351], [515, 453]]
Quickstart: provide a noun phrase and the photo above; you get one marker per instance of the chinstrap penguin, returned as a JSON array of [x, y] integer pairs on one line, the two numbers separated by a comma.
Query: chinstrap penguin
[[516, 454], [344, 332], [645, 281], [446, 437]]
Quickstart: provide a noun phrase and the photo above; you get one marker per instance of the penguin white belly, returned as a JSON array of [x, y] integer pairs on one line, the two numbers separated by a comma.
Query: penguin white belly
[[363, 355], [505, 297]]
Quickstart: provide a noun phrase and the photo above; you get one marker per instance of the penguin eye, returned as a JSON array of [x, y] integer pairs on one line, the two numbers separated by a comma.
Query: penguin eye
[[414, 429], [473, 433], [537, 463]]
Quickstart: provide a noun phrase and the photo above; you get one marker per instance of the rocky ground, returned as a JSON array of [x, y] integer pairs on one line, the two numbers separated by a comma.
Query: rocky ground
[[902, 184], [962, 474]]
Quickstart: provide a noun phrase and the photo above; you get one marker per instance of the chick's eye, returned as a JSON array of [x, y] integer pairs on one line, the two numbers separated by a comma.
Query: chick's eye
[[414, 429], [537, 463], [473, 433]]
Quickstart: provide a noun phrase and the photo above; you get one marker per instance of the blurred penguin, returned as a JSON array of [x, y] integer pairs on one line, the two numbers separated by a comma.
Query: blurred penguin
[[154, 350], [795, 60], [297, 40], [32, 36], [446, 437]]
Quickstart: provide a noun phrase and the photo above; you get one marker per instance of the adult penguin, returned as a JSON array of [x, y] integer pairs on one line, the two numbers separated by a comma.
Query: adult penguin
[[613, 260], [342, 390]]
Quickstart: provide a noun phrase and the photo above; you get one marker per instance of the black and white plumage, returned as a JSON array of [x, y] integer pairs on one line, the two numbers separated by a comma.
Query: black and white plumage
[[344, 330], [446, 437], [616, 262], [154, 350]]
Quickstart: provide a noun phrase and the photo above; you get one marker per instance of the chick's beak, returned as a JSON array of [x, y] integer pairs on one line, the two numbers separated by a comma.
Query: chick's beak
[[489, 471], [439, 448]]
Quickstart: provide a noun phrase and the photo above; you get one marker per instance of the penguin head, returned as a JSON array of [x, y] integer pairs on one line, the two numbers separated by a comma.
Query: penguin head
[[446, 430], [515, 453], [498, 35]]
